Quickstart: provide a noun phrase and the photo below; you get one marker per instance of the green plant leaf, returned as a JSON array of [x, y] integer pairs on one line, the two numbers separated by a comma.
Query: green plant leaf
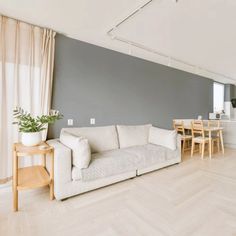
[[27, 123]]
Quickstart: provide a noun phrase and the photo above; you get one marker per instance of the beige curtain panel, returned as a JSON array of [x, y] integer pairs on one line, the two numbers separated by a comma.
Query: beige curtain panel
[[26, 76]]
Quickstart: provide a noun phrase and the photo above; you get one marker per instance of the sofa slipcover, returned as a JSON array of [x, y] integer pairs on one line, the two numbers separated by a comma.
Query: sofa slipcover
[[110, 164], [106, 164]]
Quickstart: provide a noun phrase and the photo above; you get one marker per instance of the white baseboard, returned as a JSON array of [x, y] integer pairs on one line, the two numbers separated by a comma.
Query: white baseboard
[[230, 145]]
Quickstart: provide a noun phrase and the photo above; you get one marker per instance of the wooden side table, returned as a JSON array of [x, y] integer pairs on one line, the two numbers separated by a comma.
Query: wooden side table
[[33, 176]]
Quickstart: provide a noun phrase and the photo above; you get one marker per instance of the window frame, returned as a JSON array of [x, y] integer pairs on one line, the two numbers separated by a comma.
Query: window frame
[[217, 108]]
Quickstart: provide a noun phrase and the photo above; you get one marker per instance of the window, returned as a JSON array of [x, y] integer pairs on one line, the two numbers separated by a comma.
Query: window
[[218, 93]]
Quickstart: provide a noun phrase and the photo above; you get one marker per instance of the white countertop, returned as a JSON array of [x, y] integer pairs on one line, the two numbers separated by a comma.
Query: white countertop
[[189, 120], [232, 120]]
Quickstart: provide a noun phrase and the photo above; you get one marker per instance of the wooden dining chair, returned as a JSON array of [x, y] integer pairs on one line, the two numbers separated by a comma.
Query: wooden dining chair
[[198, 137], [215, 135], [185, 138]]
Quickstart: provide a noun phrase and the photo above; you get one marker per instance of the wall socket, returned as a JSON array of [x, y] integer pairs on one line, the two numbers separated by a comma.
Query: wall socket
[[70, 122], [92, 121]]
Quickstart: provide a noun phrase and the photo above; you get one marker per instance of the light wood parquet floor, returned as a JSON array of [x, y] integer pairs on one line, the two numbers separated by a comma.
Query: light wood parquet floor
[[196, 197]]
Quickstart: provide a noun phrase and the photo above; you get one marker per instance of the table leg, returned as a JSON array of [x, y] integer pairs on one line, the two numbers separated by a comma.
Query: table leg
[[44, 160], [52, 177], [222, 142], [15, 181], [210, 145]]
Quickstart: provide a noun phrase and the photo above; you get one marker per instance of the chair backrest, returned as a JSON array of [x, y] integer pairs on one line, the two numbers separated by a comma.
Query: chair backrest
[[179, 127], [197, 128], [214, 123]]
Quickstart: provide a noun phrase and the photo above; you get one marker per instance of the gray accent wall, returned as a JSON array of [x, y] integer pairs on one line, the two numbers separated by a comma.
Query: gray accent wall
[[114, 88]]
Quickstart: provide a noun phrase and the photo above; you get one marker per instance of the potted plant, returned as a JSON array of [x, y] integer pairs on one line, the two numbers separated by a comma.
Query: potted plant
[[30, 127]]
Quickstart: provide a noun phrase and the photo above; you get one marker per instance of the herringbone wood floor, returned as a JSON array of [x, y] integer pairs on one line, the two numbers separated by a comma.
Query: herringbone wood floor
[[196, 197]]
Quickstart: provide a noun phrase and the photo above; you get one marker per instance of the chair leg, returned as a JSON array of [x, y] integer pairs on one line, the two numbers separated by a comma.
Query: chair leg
[[192, 148], [222, 143], [218, 144], [200, 148], [183, 148], [213, 143], [203, 149], [209, 149], [189, 143]]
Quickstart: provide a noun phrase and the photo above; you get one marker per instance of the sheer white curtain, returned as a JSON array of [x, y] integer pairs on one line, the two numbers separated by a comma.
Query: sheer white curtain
[[26, 74]]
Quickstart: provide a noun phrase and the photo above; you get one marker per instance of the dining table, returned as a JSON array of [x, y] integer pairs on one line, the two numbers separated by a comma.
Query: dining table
[[210, 131]]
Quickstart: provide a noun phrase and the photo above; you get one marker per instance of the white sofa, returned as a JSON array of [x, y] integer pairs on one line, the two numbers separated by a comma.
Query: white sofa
[[118, 153]]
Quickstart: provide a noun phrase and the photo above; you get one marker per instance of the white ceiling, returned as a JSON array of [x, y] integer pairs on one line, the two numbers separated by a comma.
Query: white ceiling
[[198, 36]]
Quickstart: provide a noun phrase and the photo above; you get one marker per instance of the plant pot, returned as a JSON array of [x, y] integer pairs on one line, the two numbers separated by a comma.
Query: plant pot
[[31, 139]]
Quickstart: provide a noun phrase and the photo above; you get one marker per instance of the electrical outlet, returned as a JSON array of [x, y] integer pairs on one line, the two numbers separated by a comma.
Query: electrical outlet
[[92, 121], [70, 122]]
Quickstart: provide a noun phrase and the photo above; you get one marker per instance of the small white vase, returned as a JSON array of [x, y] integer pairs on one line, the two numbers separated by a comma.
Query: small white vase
[[31, 139]]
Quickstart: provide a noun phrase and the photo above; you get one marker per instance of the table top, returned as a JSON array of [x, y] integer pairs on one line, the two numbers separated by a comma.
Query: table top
[[206, 128], [42, 148]]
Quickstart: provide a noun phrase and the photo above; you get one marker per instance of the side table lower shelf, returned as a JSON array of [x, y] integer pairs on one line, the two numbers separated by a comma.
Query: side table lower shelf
[[32, 177]]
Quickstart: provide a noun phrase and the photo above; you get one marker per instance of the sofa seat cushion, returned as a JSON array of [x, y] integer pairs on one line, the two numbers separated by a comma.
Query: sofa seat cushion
[[103, 138], [151, 154], [106, 164]]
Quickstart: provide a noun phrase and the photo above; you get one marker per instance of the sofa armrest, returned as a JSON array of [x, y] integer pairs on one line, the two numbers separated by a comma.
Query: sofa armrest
[[62, 162]]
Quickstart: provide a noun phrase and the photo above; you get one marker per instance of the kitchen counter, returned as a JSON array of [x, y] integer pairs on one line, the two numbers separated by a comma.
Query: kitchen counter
[[229, 133], [227, 121]]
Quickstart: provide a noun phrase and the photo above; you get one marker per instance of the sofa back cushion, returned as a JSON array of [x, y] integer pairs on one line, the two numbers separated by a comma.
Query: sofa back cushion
[[163, 137], [81, 153], [100, 138], [133, 135]]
